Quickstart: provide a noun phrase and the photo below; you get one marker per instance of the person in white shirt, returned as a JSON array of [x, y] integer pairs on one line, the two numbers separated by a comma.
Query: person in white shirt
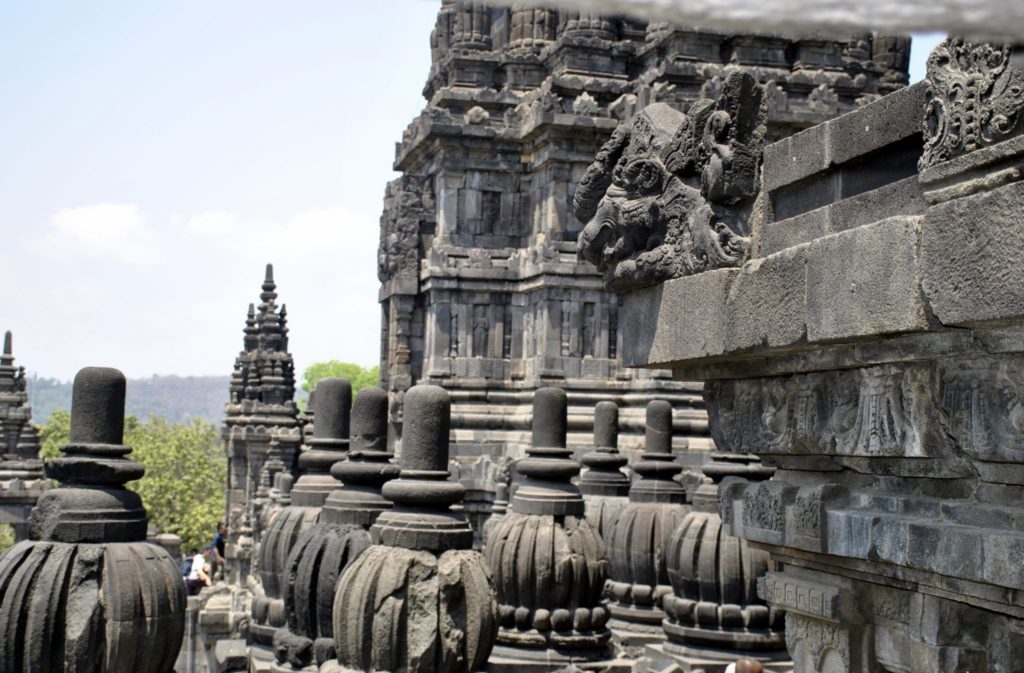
[[197, 577]]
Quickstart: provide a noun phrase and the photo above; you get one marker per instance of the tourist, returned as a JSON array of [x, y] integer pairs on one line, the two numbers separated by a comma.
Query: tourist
[[197, 577], [219, 541], [745, 666]]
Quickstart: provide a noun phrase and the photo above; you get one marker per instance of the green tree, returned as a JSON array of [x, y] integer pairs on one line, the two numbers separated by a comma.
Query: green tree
[[360, 377], [186, 472], [6, 537]]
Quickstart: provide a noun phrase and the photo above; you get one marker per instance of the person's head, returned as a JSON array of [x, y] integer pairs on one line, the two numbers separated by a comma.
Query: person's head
[[193, 552], [222, 527], [749, 666]]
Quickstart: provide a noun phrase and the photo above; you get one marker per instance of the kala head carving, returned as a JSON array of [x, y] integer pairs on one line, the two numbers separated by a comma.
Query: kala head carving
[[670, 193]]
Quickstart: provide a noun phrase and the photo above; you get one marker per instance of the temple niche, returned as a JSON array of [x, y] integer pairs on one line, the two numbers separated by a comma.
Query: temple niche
[[21, 470], [481, 288]]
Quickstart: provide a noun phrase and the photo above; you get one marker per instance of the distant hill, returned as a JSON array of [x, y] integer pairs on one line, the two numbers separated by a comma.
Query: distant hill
[[176, 398]]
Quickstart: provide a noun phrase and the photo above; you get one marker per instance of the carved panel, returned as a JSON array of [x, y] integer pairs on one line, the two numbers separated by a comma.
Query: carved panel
[[886, 411], [984, 401], [975, 97]]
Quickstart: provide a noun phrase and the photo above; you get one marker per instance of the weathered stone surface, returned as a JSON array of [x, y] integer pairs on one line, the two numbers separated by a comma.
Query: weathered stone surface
[[547, 561], [970, 248], [853, 290], [87, 593], [637, 539], [605, 487], [419, 598]]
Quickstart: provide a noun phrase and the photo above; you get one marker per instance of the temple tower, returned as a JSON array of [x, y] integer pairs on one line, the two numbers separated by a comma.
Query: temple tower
[[262, 430], [21, 470], [481, 290], [87, 592]]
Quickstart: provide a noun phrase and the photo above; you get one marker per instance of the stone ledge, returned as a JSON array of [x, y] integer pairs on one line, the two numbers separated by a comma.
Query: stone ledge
[[785, 302]]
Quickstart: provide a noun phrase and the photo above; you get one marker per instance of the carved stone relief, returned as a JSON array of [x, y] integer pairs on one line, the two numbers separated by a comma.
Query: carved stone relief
[[975, 98], [668, 195]]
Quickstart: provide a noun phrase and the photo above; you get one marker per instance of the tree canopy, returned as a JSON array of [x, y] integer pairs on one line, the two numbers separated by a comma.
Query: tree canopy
[[359, 377], [186, 472]]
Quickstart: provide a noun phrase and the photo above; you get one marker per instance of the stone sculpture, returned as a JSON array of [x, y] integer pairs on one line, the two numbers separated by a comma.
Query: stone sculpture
[[975, 96], [638, 538], [548, 561], [420, 597], [340, 534], [605, 487], [328, 445], [713, 616], [21, 470], [670, 194], [86, 592]]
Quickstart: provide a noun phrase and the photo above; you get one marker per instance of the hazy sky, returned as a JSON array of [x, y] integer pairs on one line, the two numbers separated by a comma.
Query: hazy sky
[[157, 155]]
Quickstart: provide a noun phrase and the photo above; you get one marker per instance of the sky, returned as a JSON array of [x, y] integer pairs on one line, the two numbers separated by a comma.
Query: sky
[[157, 155]]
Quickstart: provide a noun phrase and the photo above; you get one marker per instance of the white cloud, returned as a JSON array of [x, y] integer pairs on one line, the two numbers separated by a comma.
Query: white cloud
[[114, 232], [327, 233]]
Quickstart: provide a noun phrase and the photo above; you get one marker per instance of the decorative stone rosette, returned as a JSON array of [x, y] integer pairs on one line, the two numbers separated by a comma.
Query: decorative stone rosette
[[87, 593], [548, 561], [420, 598], [637, 540]]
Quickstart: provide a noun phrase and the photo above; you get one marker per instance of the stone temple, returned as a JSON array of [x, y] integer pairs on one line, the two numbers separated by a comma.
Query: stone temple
[[21, 471], [481, 288], [846, 290]]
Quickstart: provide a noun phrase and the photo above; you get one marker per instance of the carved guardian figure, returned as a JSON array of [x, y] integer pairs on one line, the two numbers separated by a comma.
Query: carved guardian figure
[[670, 193]]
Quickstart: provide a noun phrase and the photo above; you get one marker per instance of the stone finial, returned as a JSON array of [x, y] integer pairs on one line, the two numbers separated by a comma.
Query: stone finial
[[339, 536], [7, 343], [604, 485], [604, 475], [367, 468], [714, 599], [71, 597], [637, 539], [328, 445], [547, 560], [92, 504], [397, 606]]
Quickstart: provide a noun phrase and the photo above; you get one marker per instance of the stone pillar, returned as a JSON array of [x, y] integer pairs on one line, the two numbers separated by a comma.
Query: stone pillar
[[604, 485], [532, 27], [548, 561], [86, 592], [714, 615], [471, 26], [339, 536], [328, 445], [419, 598], [639, 535]]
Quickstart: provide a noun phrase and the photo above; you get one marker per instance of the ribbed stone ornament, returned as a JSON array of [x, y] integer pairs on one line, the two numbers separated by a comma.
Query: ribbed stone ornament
[[548, 561], [714, 611], [87, 593], [604, 485], [636, 542], [328, 444], [339, 536], [420, 598]]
